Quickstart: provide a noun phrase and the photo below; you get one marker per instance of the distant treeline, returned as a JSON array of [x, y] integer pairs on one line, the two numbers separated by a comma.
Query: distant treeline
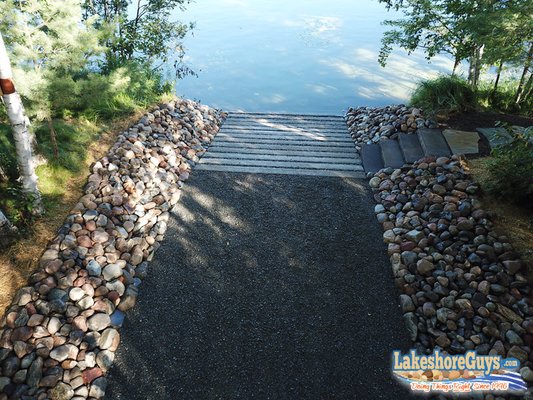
[[487, 33]]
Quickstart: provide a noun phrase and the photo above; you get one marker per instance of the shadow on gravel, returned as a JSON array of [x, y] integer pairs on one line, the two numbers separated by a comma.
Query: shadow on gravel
[[266, 287]]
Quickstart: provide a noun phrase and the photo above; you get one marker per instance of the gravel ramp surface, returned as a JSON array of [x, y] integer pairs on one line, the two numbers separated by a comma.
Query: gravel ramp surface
[[266, 287]]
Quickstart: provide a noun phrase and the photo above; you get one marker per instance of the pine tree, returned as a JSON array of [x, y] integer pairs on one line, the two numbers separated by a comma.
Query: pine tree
[[48, 42]]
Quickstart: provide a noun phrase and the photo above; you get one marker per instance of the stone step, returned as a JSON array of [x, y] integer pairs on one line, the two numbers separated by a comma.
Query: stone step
[[433, 142], [391, 153], [410, 146], [289, 117], [295, 142], [371, 156], [496, 136], [462, 142], [280, 121]]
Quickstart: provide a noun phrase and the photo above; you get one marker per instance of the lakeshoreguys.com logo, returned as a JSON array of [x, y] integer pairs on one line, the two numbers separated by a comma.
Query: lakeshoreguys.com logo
[[464, 373]]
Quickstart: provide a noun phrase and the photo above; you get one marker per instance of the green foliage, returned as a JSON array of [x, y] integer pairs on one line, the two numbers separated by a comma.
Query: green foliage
[[445, 94], [435, 26], [55, 51], [140, 30], [74, 138], [47, 40], [503, 99], [77, 67], [484, 33], [511, 168], [7, 152], [460, 27], [48, 34], [17, 204], [125, 89]]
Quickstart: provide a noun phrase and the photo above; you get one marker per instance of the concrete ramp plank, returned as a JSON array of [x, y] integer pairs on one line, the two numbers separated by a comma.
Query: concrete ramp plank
[[283, 164], [313, 145], [282, 171], [317, 158]]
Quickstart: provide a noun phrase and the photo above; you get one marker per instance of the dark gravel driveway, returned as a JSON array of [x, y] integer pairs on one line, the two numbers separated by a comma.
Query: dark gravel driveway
[[266, 287]]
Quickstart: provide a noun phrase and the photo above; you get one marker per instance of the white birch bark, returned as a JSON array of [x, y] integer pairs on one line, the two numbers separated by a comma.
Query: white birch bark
[[3, 175], [527, 65], [20, 123]]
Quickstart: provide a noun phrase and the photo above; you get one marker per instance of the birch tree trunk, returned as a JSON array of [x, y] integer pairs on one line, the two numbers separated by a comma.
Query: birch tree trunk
[[527, 91], [474, 69], [19, 123], [455, 65], [527, 64], [477, 66], [7, 231], [471, 62], [3, 174], [498, 74]]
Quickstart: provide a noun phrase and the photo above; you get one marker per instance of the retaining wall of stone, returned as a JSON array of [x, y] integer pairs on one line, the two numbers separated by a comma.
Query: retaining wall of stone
[[58, 338], [463, 286], [372, 124]]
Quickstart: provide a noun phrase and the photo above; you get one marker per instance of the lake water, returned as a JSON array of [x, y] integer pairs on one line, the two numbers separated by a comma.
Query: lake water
[[298, 56]]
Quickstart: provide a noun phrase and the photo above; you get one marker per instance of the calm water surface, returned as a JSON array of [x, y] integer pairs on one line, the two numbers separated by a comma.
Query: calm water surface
[[295, 56]]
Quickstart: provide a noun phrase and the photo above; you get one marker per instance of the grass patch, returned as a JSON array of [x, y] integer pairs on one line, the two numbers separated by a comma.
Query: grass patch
[[511, 168], [511, 220], [444, 95], [96, 96], [451, 94], [74, 138], [503, 100]]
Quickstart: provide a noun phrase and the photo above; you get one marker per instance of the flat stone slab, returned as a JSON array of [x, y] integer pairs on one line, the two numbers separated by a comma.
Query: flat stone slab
[[433, 142], [391, 153], [371, 156], [411, 148], [496, 136], [462, 142]]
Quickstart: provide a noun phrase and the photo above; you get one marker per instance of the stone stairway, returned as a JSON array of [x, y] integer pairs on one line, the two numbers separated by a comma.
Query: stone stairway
[[412, 147], [317, 145]]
